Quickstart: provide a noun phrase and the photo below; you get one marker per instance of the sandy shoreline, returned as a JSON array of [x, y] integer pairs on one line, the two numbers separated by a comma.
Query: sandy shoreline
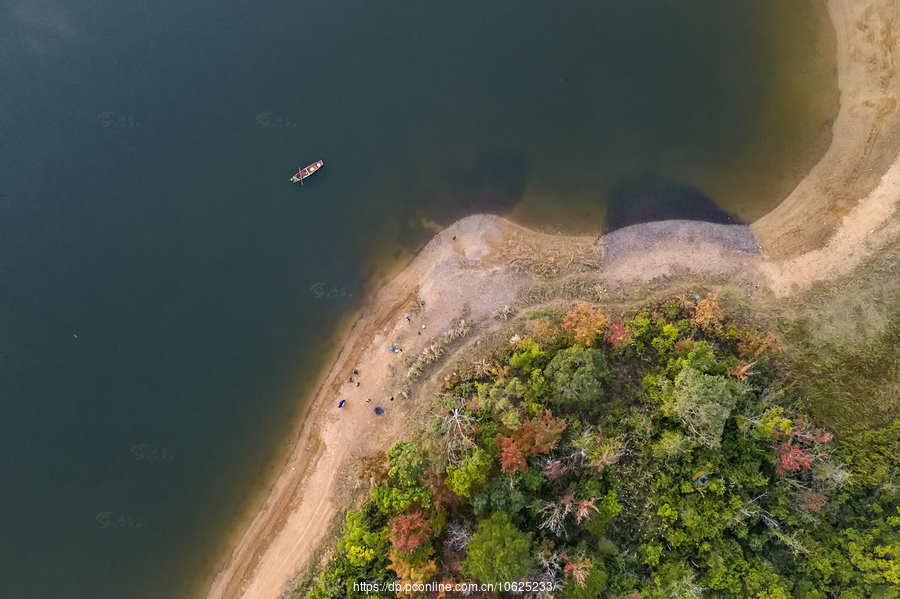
[[840, 214]]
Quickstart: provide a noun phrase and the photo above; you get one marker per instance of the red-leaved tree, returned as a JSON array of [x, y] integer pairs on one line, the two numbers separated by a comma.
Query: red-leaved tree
[[409, 531], [535, 436], [811, 501], [584, 509], [512, 458], [577, 568], [708, 315], [617, 335], [794, 458]]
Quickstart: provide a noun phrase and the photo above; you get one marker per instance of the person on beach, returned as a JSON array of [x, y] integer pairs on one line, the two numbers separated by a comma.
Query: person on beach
[[341, 405]]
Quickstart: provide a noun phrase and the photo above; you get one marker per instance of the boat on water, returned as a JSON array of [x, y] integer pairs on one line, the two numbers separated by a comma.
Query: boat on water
[[303, 173]]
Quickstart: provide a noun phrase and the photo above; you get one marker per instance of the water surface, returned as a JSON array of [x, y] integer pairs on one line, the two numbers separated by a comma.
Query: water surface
[[160, 323]]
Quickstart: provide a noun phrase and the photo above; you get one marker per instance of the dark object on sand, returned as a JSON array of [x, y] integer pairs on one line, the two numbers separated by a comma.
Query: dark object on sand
[[355, 372], [341, 405], [379, 410]]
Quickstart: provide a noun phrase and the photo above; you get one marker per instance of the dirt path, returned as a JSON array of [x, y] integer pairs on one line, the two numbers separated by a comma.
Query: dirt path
[[843, 212]]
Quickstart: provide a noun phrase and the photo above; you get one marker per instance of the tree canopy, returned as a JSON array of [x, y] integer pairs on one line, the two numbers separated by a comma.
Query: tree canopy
[[663, 455], [499, 552]]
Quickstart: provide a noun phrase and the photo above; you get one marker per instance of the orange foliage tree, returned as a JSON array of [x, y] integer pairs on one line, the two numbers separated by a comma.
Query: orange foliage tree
[[585, 323], [708, 315], [753, 344], [415, 571]]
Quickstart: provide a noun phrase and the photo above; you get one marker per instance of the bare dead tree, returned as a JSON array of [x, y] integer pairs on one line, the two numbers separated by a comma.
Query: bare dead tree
[[581, 446], [458, 429], [687, 587], [553, 468], [554, 514], [458, 536]]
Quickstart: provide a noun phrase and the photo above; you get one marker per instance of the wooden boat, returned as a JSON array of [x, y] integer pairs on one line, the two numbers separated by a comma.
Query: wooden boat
[[303, 173]]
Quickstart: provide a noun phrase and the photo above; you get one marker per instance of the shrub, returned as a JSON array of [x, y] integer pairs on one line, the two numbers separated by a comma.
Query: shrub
[[585, 323]]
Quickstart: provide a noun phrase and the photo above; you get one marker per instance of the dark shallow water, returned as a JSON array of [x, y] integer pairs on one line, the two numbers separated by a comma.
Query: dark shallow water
[[159, 273]]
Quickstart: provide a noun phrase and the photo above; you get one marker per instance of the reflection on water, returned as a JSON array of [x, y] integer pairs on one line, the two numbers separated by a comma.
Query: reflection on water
[[495, 183], [654, 198], [492, 183]]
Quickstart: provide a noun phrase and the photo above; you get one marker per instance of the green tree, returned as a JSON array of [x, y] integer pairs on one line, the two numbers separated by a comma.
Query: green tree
[[471, 473], [702, 402], [407, 463], [577, 376], [499, 551], [360, 544], [497, 495], [502, 398], [528, 357]]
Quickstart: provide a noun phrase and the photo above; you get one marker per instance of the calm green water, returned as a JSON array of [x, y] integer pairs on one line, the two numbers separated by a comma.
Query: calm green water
[[158, 331]]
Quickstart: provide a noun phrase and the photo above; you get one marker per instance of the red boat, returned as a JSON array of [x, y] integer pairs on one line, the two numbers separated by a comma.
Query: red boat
[[303, 173]]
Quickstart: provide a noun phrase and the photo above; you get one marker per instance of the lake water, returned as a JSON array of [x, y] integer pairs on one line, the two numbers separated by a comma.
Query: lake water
[[162, 319]]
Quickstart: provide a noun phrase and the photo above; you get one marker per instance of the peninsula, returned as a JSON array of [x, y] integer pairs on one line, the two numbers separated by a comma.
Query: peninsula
[[839, 225]]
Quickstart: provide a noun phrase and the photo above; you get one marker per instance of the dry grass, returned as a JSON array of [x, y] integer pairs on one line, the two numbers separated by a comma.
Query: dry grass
[[844, 345], [548, 257]]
